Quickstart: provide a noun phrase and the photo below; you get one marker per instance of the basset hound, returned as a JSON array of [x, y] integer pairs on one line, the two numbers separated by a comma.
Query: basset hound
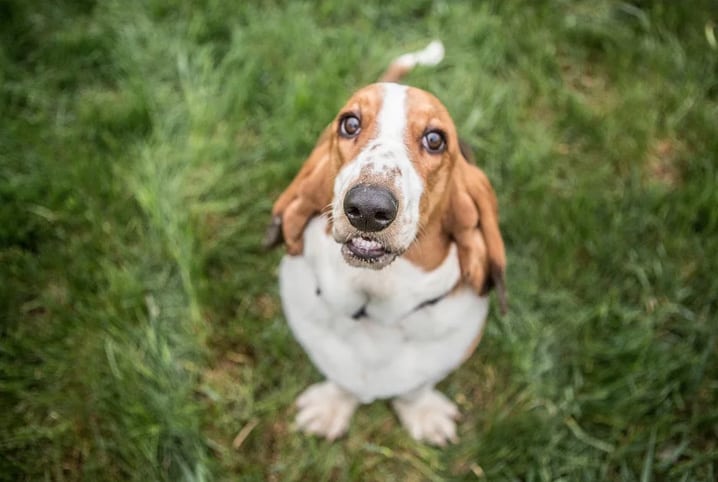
[[393, 242]]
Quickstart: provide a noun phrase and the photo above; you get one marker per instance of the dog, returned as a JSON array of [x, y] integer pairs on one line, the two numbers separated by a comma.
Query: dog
[[393, 243]]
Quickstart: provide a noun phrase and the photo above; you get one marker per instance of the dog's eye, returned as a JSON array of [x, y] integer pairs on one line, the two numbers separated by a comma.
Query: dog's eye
[[434, 142], [349, 126]]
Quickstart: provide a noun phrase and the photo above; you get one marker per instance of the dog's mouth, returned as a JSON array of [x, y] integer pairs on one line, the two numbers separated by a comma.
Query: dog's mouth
[[362, 251]]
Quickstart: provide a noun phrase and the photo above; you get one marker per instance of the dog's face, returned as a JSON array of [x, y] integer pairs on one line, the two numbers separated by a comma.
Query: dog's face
[[394, 147]]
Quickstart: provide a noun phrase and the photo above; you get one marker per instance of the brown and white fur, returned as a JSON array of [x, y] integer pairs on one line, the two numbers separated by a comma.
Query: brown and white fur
[[393, 242]]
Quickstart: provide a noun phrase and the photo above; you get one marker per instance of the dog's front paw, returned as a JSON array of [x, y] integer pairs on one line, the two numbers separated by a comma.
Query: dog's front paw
[[325, 410], [429, 417]]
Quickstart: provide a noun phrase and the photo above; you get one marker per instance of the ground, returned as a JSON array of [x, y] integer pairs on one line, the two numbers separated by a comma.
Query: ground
[[143, 142]]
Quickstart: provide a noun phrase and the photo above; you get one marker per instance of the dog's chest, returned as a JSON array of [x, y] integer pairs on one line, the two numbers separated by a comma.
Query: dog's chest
[[385, 296], [378, 334]]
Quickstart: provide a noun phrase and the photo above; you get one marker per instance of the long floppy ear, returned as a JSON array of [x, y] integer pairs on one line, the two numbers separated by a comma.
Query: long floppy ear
[[306, 196], [473, 222]]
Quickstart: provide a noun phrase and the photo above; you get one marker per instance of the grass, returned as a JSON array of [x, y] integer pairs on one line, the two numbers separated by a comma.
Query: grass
[[141, 146]]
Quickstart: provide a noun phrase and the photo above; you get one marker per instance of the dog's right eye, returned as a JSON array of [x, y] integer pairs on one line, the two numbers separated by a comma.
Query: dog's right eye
[[349, 126]]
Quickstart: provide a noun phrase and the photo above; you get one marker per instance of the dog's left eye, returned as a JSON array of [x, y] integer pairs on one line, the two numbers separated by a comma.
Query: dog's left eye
[[434, 142]]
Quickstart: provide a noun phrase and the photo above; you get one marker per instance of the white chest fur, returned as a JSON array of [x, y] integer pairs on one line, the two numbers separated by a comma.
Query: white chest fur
[[377, 334]]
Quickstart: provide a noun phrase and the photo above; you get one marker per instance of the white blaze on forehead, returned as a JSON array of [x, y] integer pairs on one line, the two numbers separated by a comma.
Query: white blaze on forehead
[[392, 116]]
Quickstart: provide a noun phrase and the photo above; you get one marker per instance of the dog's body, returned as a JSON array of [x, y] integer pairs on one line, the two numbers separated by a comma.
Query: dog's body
[[387, 291], [378, 334]]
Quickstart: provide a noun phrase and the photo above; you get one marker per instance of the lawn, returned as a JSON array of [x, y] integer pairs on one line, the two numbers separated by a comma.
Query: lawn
[[142, 144]]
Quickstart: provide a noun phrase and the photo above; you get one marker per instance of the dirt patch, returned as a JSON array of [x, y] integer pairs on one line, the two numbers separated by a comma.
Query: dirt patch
[[662, 163]]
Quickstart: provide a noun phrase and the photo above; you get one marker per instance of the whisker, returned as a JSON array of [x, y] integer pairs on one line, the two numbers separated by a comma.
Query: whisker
[[327, 211]]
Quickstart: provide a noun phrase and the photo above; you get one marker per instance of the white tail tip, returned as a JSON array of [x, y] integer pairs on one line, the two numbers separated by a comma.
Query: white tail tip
[[432, 54]]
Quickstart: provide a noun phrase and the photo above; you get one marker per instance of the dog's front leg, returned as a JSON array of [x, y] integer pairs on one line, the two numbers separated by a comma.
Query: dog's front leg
[[428, 416], [325, 409]]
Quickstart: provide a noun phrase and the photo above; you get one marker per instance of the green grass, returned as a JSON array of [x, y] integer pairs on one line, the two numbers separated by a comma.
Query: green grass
[[143, 142]]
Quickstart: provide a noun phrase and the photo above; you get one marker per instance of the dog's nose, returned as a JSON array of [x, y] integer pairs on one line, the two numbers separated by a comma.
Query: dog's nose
[[370, 208]]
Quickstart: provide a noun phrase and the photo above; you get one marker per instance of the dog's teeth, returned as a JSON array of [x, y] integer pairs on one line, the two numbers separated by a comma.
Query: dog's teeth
[[366, 244]]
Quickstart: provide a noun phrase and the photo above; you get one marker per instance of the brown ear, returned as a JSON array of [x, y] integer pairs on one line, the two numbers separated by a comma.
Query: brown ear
[[306, 196], [473, 222]]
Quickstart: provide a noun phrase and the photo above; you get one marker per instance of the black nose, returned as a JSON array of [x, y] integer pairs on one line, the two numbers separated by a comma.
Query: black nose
[[370, 208]]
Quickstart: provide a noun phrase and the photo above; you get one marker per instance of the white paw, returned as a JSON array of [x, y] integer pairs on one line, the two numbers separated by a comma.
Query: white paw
[[429, 417], [325, 410]]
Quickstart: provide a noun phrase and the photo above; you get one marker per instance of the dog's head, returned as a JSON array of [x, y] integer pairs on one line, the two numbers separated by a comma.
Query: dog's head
[[396, 147], [390, 172]]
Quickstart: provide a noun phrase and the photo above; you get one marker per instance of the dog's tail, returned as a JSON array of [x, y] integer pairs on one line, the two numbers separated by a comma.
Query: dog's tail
[[432, 54]]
